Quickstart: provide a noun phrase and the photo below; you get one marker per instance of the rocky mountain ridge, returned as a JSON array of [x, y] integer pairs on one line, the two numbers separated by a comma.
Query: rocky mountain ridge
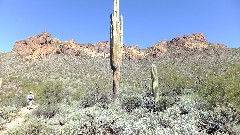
[[37, 47]]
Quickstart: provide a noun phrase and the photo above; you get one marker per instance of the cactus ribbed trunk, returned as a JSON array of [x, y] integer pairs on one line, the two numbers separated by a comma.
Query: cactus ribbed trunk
[[155, 84], [0, 82], [116, 44]]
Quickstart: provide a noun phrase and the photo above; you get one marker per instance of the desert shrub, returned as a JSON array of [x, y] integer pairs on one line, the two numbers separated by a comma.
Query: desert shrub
[[95, 96], [148, 100], [11, 97], [163, 103], [47, 110], [212, 91], [23, 84], [90, 120], [221, 89], [78, 95], [7, 113], [222, 95], [10, 103], [219, 120], [172, 82], [104, 100], [130, 101], [20, 100], [114, 120], [18, 94], [33, 126], [231, 80], [51, 92]]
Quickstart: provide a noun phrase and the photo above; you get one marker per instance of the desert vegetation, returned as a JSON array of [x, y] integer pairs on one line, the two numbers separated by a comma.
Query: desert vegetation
[[198, 94]]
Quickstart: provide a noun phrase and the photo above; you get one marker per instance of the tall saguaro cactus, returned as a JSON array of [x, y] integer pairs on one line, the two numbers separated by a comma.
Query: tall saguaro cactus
[[155, 83], [116, 44]]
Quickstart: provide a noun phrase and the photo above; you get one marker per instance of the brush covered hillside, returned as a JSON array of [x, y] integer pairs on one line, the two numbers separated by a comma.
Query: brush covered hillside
[[199, 84]]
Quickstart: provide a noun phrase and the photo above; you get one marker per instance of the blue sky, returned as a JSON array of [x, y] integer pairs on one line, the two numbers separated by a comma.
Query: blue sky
[[145, 21]]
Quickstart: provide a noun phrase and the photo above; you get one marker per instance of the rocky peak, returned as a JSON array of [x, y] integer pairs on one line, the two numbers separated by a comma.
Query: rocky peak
[[35, 46], [197, 37], [196, 40]]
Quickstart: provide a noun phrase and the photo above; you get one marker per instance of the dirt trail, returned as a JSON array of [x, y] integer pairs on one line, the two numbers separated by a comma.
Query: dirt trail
[[18, 120]]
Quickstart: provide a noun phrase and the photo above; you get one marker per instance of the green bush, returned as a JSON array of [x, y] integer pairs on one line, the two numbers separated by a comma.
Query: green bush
[[47, 110], [172, 81], [51, 92], [231, 81], [95, 96], [222, 89], [13, 97], [50, 95]]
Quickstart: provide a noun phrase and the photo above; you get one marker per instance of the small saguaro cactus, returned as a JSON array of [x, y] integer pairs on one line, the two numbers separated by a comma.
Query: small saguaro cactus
[[0, 82], [154, 77]]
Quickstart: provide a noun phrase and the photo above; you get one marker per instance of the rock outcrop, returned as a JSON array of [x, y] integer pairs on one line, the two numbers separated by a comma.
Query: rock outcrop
[[190, 41], [157, 50], [133, 52], [37, 47]]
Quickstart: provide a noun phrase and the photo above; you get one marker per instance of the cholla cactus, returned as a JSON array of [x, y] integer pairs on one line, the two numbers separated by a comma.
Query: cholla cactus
[[154, 77], [116, 44], [0, 82]]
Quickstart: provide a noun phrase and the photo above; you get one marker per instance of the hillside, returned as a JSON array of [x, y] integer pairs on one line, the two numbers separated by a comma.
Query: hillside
[[198, 83]]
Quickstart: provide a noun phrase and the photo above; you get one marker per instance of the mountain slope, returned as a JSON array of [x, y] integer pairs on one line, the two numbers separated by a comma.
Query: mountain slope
[[72, 83]]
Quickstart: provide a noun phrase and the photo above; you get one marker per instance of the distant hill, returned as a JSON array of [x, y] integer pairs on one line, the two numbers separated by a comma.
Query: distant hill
[[36, 47]]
